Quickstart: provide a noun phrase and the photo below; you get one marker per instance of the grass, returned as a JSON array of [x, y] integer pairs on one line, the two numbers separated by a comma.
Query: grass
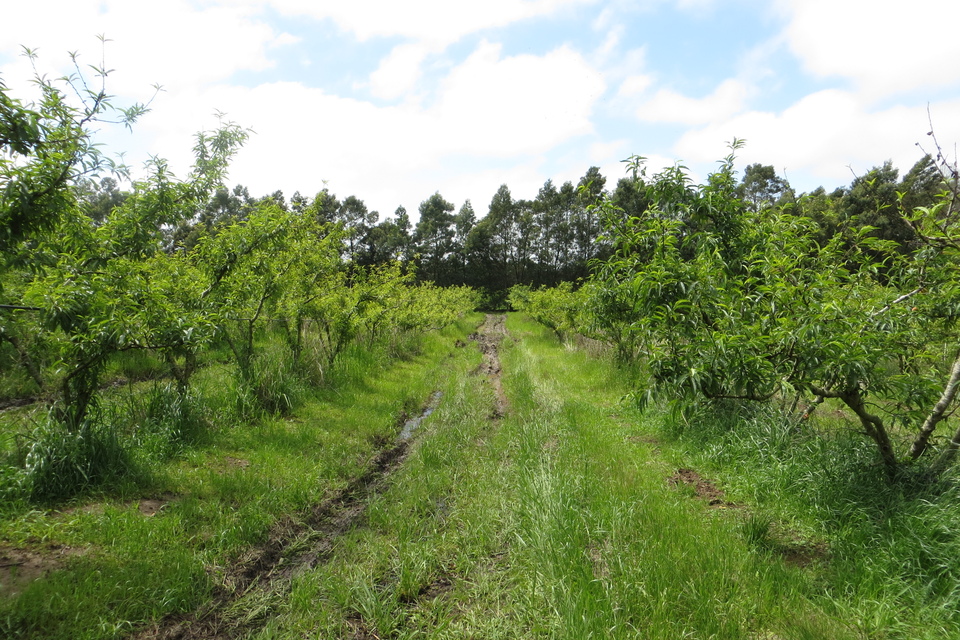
[[221, 488], [893, 548], [554, 522]]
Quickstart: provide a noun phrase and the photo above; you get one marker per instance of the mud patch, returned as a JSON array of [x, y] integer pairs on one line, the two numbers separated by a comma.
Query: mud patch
[[804, 555], [488, 337], [597, 554], [236, 462], [359, 630], [429, 591], [703, 488], [152, 506], [19, 568]]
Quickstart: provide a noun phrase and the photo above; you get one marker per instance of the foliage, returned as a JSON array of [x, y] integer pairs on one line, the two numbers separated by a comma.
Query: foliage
[[111, 288], [47, 148], [560, 308], [724, 300]]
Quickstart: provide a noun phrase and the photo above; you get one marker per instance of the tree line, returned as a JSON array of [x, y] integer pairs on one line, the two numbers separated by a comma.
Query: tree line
[[539, 242]]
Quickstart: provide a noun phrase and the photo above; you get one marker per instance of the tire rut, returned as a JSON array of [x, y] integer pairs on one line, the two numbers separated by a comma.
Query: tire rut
[[488, 337], [266, 572]]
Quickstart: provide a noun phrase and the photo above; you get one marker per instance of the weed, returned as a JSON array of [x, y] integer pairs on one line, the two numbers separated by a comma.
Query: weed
[[274, 387], [161, 422], [61, 463]]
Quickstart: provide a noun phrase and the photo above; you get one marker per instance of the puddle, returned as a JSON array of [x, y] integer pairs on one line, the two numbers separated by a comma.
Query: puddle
[[412, 424]]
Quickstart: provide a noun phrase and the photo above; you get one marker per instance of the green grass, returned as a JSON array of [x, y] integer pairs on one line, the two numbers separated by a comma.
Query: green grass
[[893, 547], [555, 522], [226, 486]]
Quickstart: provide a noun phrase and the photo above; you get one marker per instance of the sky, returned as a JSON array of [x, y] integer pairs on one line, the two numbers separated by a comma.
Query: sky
[[393, 101]]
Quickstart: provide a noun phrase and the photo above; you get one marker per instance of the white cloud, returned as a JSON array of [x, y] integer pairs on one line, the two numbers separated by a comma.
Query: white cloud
[[607, 153], [634, 85], [609, 48], [173, 43], [695, 5], [885, 47], [399, 72], [524, 104], [824, 136], [668, 106]]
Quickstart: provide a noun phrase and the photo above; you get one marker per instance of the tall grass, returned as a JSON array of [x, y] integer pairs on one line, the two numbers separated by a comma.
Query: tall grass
[[161, 421], [892, 549], [60, 463], [275, 386]]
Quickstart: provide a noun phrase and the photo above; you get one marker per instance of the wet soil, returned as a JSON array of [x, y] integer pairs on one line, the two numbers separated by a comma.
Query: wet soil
[[152, 506], [703, 488], [488, 337], [20, 567]]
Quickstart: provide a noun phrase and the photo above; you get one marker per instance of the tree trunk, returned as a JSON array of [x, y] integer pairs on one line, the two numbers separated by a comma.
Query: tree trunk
[[25, 359], [930, 424], [873, 425]]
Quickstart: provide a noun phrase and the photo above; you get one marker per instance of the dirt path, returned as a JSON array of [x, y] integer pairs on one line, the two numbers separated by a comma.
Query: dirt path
[[264, 575], [488, 337]]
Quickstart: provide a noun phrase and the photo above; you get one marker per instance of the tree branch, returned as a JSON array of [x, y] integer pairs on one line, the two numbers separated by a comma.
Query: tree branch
[[937, 415], [905, 296]]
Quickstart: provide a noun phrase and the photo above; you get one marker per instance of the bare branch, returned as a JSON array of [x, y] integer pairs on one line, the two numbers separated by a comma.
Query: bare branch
[[905, 296], [937, 415]]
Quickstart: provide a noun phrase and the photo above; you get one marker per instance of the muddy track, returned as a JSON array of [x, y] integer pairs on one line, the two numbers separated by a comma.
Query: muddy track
[[488, 337], [294, 546]]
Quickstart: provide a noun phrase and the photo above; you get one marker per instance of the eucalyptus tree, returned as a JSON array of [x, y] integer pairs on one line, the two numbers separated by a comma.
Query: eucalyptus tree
[[433, 237], [547, 215], [586, 223], [357, 221], [761, 186], [324, 206]]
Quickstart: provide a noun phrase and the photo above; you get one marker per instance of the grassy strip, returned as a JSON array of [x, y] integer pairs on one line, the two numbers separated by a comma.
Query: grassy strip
[[891, 550], [121, 563], [555, 521]]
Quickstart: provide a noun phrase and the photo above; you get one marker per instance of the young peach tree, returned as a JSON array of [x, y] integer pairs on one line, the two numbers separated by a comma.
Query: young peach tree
[[725, 300]]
